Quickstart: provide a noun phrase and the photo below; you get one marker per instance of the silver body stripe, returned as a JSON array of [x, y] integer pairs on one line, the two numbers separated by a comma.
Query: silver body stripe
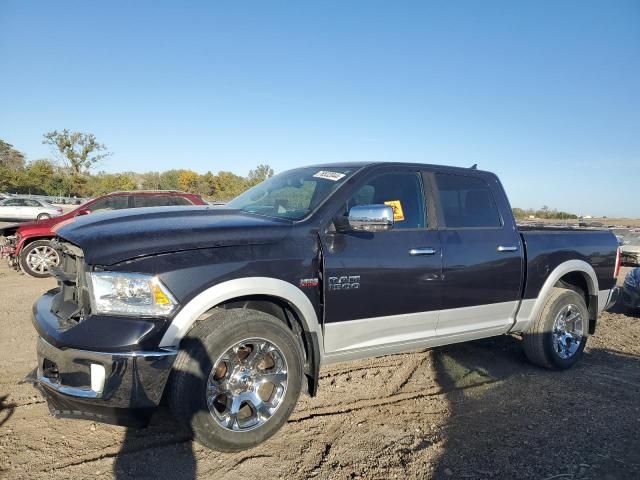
[[383, 335]]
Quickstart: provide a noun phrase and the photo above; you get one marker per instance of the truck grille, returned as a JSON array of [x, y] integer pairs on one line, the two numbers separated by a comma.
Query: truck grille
[[72, 304]]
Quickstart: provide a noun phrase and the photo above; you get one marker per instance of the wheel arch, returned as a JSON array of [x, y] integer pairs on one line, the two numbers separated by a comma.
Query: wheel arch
[[577, 275], [269, 295], [24, 241]]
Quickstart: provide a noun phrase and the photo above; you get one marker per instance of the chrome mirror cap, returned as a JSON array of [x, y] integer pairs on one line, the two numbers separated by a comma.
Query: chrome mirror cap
[[371, 218]]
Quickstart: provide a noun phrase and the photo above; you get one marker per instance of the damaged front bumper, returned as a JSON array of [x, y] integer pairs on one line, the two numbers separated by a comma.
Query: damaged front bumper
[[8, 249], [121, 388]]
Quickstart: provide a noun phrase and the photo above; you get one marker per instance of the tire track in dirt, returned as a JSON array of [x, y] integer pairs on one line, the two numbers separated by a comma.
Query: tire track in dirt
[[112, 451]]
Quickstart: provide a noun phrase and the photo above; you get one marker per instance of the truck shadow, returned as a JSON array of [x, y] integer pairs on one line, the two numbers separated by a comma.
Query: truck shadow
[[507, 419], [165, 448], [520, 421]]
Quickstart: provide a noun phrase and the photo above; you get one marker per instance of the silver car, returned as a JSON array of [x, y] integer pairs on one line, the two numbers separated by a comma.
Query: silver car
[[19, 208]]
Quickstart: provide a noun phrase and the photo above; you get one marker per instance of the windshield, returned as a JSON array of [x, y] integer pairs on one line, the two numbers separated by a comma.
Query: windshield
[[292, 194]]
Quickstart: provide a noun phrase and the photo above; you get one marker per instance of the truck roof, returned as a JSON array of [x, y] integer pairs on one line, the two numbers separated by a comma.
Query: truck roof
[[399, 164]]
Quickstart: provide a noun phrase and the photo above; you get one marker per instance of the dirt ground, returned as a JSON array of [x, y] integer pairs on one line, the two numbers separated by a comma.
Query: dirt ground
[[471, 411]]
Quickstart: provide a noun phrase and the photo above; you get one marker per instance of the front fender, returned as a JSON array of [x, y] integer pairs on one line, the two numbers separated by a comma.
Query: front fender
[[28, 239], [242, 287]]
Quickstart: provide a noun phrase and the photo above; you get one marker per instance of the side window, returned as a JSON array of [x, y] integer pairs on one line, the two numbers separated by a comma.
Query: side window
[[159, 201], [110, 203], [32, 203], [152, 200], [400, 190], [467, 202], [180, 201], [16, 202]]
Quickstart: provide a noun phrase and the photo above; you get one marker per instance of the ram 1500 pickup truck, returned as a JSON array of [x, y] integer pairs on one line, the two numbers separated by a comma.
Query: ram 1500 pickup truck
[[228, 312]]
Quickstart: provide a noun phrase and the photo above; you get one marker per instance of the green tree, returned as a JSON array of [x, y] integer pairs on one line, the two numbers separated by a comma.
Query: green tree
[[10, 157], [206, 184], [59, 184], [39, 174], [150, 181], [227, 185], [80, 151], [103, 183], [169, 180], [259, 174]]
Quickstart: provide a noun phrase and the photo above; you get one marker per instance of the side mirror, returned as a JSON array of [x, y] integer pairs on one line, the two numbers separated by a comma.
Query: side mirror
[[371, 218], [83, 211]]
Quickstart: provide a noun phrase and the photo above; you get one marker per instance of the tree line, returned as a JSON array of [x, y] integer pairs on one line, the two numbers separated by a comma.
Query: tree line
[[544, 212], [75, 154]]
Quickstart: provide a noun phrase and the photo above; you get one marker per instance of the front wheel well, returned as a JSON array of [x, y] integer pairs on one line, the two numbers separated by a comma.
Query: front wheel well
[[29, 240], [580, 283], [286, 313]]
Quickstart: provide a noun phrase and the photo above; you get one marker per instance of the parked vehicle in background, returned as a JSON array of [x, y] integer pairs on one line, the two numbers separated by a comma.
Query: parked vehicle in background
[[630, 251], [631, 289], [28, 245], [229, 311], [22, 208]]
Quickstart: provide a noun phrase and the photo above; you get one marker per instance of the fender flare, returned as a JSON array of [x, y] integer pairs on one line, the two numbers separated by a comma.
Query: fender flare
[[530, 309], [28, 239], [242, 287]]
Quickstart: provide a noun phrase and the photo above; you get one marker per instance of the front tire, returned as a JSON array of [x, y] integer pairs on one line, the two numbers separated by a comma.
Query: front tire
[[557, 337], [38, 257], [236, 379]]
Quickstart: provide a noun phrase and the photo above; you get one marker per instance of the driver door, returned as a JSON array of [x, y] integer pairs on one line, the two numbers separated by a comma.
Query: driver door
[[383, 288]]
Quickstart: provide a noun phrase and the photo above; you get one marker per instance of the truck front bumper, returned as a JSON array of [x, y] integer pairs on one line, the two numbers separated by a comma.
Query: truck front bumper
[[122, 388]]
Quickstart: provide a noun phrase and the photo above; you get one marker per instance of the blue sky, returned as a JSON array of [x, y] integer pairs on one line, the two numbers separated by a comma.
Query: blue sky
[[544, 93]]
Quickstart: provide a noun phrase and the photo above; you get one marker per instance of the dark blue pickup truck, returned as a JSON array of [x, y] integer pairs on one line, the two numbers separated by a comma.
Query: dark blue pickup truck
[[228, 312]]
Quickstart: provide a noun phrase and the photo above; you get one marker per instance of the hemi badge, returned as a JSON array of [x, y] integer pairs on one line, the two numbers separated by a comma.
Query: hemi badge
[[308, 282]]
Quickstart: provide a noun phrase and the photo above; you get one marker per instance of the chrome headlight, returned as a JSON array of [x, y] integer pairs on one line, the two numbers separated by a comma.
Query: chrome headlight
[[129, 294]]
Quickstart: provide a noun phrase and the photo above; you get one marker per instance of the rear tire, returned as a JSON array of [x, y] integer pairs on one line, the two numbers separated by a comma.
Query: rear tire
[[43, 216], [37, 257], [211, 373], [556, 340]]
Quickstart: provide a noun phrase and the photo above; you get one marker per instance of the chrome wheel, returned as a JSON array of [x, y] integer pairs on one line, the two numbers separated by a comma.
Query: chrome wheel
[[567, 331], [247, 385], [41, 259]]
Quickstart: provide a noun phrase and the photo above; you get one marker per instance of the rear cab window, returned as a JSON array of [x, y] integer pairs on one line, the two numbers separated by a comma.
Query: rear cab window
[[467, 202]]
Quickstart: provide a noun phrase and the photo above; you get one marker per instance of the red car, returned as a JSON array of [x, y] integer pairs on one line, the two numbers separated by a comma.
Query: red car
[[27, 245]]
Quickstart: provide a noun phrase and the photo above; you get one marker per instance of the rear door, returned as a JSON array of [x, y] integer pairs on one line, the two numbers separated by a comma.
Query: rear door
[[383, 288], [31, 209], [482, 255]]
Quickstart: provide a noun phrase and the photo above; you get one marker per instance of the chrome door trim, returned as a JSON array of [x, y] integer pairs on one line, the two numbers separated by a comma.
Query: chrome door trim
[[422, 251]]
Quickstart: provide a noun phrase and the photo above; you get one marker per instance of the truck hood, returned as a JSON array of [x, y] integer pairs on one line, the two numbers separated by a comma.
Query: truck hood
[[112, 237]]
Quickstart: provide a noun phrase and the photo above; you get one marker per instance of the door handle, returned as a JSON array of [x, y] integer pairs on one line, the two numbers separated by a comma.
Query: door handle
[[422, 251], [507, 248]]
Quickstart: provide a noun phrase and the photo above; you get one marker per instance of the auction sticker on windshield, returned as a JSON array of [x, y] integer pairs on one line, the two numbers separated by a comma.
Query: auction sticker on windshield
[[327, 175]]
